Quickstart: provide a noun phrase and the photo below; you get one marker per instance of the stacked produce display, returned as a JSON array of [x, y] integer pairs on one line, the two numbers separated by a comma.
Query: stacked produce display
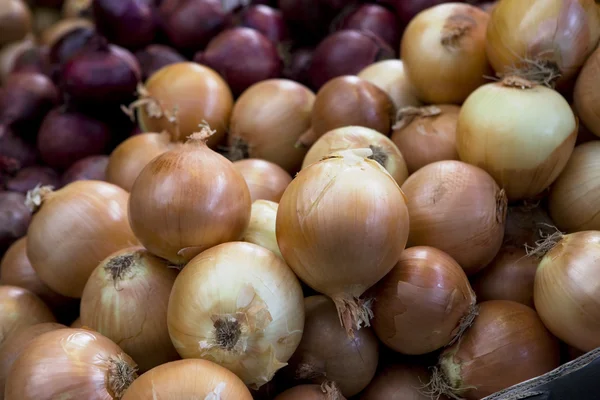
[[296, 199]]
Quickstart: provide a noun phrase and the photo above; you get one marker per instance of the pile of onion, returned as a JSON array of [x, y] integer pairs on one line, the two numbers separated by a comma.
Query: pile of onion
[[459, 209], [215, 198], [20, 308], [261, 229], [73, 229], [585, 94], [265, 180], [239, 305], [520, 132], [338, 255]]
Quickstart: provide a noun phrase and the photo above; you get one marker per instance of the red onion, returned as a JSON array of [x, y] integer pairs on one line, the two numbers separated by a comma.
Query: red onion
[[89, 168], [66, 137], [243, 57], [309, 20], [28, 178], [14, 218], [266, 20], [69, 44], [346, 52], [406, 10], [15, 153], [33, 60], [127, 23], [156, 56], [377, 20], [297, 66]]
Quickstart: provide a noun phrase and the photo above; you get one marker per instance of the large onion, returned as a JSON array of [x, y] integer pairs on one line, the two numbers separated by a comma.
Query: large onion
[[20, 308], [585, 94], [261, 229], [265, 179]]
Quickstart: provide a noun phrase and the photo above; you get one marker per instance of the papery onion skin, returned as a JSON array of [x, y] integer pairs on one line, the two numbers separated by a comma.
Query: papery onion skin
[[324, 391], [399, 382], [261, 229], [585, 94], [239, 305], [565, 292], [266, 180], [521, 133], [79, 363], [74, 229], [424, 303], [574, 197], [452, 35], [384, 150], [506, 345], [20, 308], [459, 209]]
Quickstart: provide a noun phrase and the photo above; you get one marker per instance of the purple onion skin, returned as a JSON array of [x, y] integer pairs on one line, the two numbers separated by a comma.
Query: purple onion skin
[[34, 60], [309, 20], [67, 137], [297, 67], [14, 218], [156, 56], [266, 20], [243, 57], [377, 20], [68, 45], [346, 52], [15, 152], [127, 23], [89, 168], [28, 178]]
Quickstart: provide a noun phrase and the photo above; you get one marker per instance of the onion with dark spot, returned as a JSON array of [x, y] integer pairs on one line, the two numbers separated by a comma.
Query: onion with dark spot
[[127, 23], [28, 178], [14, 218], [89, 168], [156, 56], [377, 20]]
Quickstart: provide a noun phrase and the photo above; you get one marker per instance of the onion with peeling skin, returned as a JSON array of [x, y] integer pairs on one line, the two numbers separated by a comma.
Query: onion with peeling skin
[[261, 229], [265, 180], [20, 308]]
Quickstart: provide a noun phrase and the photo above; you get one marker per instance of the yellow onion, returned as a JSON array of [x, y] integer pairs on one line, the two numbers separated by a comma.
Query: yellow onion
[[74, 364], [443, 50], [126, 300], [15, 21], [265, 180], [187, 200], [341, 226], [240, 306], [384, 150], [586, 94], [543, 40], [73, 229], [574, 201], [521, 133], [20, 308], [459, 209], [267, 120], [261, 229], [426, 134]]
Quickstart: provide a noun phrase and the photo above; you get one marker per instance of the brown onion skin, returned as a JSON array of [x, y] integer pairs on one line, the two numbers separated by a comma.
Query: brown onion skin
[[14, 218], [332, 355], [266, 180], [29, 177], [585, 93], [89, 168], [399, 382], [506, 345]]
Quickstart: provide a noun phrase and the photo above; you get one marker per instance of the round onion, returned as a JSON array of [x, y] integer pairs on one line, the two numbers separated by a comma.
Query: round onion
[[375, 19], [89, 168], [216, 197], [63, 27], [156, 56], [20, 308], [127, 23], [297, 65], [459, 209], [585, 94], [399, 382], [14, 218], [77, 8], [520, 133], [426, 135], [265, 179], [68, 45], [335, 255], [506, 345], [424, 303], [239, 305], [527, 224], [261, 229], [356, 137], [15, 152], [268, 119], [452, 35], [73, 229], [267, 20], [77, 363], [10, 52], [15, 21], [188, 379], [325, 391]]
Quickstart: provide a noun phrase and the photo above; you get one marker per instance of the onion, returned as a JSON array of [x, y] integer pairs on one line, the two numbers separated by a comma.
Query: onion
[[506, 345], [178, 97], [265, 179], [10, 52], [326, 351], [297, 66], [114, 299], [266, 20], [268, 119], [28, 178], [44, 18], [261, 229], [424, 303], [63, 27], [20, 308], [325, 391], [127, 23], [407, 10], [188, 379], [375, 19], [336, 255], [356, 137], [77, 8], [156, 56], [77, 324], [33, 60], [73, 229], [69, 44], [555, 41], [452, 35], [15, 21], [15, 152], [309, 20], [14, 218], [399, 382], [90, 168], [584, 95], [390, 76], [75, 363], [346, 52], [239, 305], [459, 209], [509, 276], [349, 101], [526, 225], [523, 140], [216, 197], [427, 134]]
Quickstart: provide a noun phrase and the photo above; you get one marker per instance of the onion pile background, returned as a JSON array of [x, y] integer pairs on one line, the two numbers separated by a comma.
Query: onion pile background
[[296, 199]]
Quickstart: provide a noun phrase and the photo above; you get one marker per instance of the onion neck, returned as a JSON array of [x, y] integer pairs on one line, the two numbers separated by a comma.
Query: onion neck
[[121, 375], [455, 28], [203, 135], [378, 155], [36, 197], [406, 115]]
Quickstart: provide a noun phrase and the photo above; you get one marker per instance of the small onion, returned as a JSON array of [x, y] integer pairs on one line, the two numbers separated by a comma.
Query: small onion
[[265, 180], [90, 168], [506, 345], [20, 308], [326, 351], [239, 305], [216, 198], [356, 137], [73, 229], [399, 382], [268, 119], [78, 363], [14, 218], [521, 133], [156, 56], [573, 201], [375, 19], [527, 224], [335, 255], [427, 134], [127, 23], [424, 303], [452, 35], [585, 94], [325, 391], [15, 21], [63, 27], [261, 229]]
